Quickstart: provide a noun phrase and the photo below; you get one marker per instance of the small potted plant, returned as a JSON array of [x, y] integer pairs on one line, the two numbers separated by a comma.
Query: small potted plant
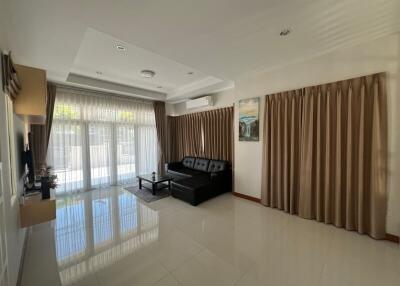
[[48, 181]]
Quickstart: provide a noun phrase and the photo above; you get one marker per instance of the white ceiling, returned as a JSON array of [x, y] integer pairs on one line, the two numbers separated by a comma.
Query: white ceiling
[[220, 40], [98, 54]]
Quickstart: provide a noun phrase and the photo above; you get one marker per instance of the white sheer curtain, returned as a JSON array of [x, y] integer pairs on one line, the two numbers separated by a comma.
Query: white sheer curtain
[[100, 140]]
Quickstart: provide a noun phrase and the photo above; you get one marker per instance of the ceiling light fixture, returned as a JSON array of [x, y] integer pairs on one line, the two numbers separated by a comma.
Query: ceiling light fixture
[[120, 47], [99, 73], [285, 32], [190, 73], [159, 86], [147, 73]]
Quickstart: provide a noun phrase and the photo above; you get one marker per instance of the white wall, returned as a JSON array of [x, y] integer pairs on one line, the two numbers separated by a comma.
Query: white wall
[[4, 17], [377, 56], [15, 235], [170, 109]]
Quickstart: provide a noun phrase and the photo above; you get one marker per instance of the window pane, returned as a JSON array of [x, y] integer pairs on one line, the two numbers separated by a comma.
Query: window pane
[[100, 141], [65, 155], [66, 111], [147, 149], [125, 154], [100, 154]]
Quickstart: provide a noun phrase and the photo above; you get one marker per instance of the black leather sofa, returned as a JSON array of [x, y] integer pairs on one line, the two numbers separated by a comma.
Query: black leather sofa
[[198, 179]]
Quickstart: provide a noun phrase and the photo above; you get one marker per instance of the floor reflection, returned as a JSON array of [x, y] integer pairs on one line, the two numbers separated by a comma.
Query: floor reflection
[[96, 229]]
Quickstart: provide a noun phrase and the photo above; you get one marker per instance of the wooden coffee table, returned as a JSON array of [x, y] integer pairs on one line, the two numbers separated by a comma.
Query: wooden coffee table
[[156, 182]]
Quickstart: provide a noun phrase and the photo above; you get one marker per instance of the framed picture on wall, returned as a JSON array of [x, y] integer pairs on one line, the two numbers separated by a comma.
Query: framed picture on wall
[[249, 110]]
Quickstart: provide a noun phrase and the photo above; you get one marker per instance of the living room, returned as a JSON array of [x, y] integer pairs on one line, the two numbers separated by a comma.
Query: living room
[[160, 143]]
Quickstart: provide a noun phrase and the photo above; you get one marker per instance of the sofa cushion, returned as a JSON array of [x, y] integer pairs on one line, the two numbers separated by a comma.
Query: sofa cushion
[[201, 164], [217, 165], [188, 162]]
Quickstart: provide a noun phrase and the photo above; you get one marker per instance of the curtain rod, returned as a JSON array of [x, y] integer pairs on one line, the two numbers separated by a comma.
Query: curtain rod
[[101, 93]]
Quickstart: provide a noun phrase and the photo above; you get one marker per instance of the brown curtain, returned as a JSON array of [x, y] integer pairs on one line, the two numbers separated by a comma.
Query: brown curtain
[[281, 151], [185, 136], [161, 120], [205, 134], [41, 132], [51, 98], [325, 153], [10, 82], [218, 133], [39, 148]]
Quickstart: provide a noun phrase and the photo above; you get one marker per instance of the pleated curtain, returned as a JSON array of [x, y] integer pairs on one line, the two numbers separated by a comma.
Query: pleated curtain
[[41, 132], [325, 153], [218, 133], [206, 134], [50, 100], [161, 125], [185, 136], [39, 148]]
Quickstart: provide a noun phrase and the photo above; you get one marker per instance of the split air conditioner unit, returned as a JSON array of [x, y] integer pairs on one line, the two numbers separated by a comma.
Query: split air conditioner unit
[[199, 102]]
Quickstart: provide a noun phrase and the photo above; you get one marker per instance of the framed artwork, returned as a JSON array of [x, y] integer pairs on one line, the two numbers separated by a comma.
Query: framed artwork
[[249, 110]]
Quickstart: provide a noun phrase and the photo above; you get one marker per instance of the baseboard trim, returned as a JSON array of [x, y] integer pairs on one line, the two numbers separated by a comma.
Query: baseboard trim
[[246, 197], [392, 238], [388, 236]]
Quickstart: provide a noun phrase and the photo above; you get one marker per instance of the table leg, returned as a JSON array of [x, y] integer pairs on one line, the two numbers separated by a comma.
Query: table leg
[[154, 189], [169, 185], [140, 184]]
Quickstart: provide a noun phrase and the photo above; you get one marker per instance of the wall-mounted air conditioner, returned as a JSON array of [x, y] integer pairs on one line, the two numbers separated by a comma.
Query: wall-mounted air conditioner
[[199, 102]]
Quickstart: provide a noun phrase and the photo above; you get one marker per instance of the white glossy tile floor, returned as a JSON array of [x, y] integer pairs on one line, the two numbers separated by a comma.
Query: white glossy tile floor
[[109, 237]]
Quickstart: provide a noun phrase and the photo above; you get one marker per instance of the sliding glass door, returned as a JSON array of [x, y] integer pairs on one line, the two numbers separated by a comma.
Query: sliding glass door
[[112, 154], [125, 153], [65, 154], [101, 161], [100, 141]]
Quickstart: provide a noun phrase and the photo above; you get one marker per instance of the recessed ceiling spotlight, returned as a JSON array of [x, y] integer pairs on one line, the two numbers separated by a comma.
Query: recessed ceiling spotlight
[[190, 72], [285, 32], [120, 47], [99, 73], [147, 73]]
